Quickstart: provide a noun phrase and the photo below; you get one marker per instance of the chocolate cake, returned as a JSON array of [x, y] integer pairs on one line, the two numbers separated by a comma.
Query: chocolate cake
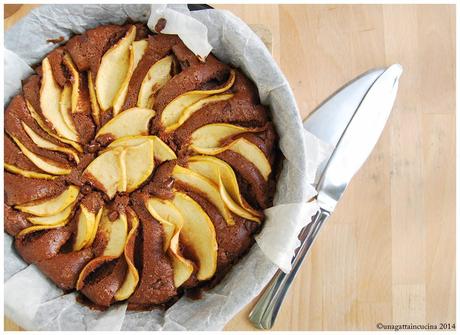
[[134, 170]]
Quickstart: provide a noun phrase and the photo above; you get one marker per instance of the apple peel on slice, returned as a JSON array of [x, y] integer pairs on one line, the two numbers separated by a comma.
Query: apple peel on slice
[[198, 233], [42, 163], [222, 174], [133, 121], [27, 173], [132, 276], [172, 221], [204, 186], [45, 128], [113, 70], [173, 111], [190, 110], [45, 144], [52, 206], [157, 76], [50, 96], [136, 51], [51, 220]]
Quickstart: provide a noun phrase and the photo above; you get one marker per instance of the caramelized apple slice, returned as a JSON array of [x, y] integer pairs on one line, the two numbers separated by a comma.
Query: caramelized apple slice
[[133, 121], [223, 175], [52, 206], [95, 109], [136, 51], [45, 144], [157, 76], [205, 186], [52, 219], [104, 172], [198, 233], [173, 111], [50, 95], [172, 221], [113, 70], [85, 226], [132, 276], [139, 162], [189, 111], [42, 163], [43, 125], [26, 173]]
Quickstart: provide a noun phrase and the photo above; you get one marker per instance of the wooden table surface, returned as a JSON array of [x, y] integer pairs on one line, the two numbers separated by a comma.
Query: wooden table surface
[[387, 255]]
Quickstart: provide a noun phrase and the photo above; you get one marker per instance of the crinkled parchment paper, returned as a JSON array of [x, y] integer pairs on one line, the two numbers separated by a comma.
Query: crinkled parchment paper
[[35, 303]]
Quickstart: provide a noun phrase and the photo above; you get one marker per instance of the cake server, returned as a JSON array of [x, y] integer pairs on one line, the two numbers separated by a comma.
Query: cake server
[[353, 127]]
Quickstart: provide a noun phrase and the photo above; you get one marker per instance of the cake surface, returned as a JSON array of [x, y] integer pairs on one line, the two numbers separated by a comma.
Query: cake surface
[[134, 171]]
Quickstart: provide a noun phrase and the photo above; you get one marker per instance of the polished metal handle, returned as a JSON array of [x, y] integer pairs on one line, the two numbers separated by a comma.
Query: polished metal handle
[[264, 313]]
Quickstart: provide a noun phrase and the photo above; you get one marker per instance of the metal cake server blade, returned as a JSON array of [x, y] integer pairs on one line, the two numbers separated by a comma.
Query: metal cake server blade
[[355, 141]]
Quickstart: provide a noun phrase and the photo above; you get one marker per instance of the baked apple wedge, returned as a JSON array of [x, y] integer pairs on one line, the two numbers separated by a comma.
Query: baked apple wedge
[[95, 109], [26, 173], [105, 172], [173, 111], [198, 233], [132, 275], [45, 144], [36, 228], [133, 121], [52, 206], [50, 97], [87, 224], [42, 163], [113, 70], [65, 106], [138, 162], [51, 220], [136, 51], [222, 174], [114, 232], [158, 75], [162, 152], [172, 221], [204, 186], [189, 111]]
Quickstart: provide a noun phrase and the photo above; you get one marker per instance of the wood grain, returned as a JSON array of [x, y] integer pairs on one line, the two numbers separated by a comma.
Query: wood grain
[[387, 255]]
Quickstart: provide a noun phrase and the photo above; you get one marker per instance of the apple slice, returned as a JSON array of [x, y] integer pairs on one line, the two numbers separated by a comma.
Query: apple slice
[[173, 111], [157, 76], [209, 137], [133, 121], [95, 227], [65, 107], [198, 233], [113, 70], [136, 51], [50, 95], [42, 163], [43, 125], [52, 219], [132, 276], [223, 175], [95, 109], [85, 227], [116, 233], [54, 205], [164, 212], [35, 228], [172, 221], [162, 151], [189, 111], [45, 144], [26, 173], [242, 146], [139, 162], [205, 186], [104, 172]]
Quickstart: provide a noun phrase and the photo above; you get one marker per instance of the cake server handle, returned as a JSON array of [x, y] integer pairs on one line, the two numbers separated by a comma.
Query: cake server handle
[[264, 313]]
